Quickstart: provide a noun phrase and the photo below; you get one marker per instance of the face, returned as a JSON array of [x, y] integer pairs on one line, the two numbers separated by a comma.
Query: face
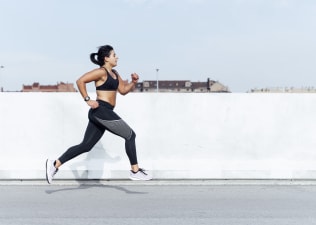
[[112, 59]]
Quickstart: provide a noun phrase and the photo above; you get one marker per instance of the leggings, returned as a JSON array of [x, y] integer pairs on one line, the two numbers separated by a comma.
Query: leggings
[[101, 119]]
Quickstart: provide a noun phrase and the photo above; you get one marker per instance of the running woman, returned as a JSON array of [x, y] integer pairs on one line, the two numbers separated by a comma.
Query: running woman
[[101, 115]]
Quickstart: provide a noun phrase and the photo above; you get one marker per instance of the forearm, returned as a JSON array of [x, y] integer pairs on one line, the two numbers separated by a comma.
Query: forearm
[[82, 88], [128, 87], [125, 87]]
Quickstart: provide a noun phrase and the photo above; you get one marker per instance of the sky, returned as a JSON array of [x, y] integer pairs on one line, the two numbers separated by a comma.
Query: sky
[[243, 44]]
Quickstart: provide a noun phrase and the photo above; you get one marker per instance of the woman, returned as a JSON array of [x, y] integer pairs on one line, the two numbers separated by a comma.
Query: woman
[[101, 115]]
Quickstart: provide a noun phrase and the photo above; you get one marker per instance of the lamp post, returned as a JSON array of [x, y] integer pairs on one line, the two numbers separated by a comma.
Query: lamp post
[[1, 67], [157, 70]]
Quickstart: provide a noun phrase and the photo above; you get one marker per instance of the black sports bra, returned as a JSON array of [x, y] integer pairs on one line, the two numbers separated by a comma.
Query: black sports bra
[[110, 84]]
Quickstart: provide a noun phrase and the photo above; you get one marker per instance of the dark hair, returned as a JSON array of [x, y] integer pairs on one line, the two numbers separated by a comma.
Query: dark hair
[[104, 51]]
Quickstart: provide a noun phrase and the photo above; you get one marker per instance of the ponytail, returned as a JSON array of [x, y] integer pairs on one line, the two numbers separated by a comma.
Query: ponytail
[[92, 58], [104, 51]]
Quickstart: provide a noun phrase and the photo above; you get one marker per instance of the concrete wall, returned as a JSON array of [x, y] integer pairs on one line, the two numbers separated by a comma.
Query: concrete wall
[[221, 136]]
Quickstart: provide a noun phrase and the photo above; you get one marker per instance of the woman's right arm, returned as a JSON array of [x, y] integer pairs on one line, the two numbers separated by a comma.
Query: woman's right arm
[[94, 75]]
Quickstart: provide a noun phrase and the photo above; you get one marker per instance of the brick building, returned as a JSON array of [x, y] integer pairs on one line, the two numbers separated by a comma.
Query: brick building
[[59, 87], [180, 86]]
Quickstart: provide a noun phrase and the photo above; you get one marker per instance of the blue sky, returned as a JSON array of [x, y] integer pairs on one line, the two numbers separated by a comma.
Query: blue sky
[[243, 44]]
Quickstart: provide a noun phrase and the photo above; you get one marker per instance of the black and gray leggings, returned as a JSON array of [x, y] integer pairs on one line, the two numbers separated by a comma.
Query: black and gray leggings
[[101, 119]]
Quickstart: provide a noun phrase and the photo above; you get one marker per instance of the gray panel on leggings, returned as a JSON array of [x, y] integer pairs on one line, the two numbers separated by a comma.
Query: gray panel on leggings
[[118, 127]]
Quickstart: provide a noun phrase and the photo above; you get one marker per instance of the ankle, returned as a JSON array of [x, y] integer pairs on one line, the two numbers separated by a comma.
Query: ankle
[[57, 164], [134, 168]]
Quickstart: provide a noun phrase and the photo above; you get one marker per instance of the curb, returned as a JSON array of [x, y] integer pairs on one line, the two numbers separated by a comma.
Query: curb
[[188, 182]]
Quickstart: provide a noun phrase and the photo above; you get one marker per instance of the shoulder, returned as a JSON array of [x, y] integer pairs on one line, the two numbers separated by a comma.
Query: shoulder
[[98, 72], [95, 74]]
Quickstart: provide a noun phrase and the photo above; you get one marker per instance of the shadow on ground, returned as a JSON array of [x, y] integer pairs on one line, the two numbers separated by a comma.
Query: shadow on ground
[[83, 185]]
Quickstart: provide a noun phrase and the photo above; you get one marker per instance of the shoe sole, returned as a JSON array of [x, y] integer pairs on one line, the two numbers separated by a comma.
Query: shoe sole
[[46, 172], [137, 179]]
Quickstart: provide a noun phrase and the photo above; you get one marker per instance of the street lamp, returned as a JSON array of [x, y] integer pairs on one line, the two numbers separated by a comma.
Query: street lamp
[[1, 88], [157, 70]]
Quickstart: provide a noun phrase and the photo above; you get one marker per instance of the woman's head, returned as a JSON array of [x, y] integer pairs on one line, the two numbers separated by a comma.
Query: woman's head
[[99, 58]]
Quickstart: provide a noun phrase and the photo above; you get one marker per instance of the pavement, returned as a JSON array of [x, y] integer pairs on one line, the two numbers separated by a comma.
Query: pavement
[[172, 202]]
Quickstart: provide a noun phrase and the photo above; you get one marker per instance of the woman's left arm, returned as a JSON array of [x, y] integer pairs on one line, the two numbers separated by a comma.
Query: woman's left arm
[[124, 87]]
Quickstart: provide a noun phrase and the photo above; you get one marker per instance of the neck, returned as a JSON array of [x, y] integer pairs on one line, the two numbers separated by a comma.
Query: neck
[[107, 67]]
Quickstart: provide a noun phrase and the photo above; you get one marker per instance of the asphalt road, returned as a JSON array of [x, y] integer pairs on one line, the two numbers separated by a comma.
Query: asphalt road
[[120, 204]]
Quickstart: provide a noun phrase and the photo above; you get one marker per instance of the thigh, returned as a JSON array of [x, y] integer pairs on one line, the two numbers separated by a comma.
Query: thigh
[[108, 119], [118, 127], [93, 133]]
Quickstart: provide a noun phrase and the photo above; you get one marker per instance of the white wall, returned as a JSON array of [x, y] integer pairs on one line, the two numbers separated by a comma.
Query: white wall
[[222, 136]]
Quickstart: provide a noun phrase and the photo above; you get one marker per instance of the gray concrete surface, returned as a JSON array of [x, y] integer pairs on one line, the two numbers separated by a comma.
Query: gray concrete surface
[[156, 203]]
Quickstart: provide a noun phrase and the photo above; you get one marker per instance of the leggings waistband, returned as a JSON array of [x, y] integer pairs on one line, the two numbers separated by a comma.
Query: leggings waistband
[[106, 104]]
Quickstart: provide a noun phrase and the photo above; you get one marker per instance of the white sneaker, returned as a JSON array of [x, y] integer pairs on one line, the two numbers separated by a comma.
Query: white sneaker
[[51, 170], [139, 175]]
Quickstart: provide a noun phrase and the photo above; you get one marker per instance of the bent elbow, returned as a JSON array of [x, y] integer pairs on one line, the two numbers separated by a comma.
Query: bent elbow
[[79, 82], [123, 93]]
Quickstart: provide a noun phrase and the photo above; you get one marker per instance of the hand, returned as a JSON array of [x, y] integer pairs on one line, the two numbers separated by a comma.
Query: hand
[[135, 77], [93, 104]]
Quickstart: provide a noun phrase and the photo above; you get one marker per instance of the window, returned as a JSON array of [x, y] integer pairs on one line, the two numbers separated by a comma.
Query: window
[[146, 84]]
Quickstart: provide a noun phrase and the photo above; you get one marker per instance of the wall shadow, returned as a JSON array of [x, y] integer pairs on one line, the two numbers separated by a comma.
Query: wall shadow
[[94, 163]]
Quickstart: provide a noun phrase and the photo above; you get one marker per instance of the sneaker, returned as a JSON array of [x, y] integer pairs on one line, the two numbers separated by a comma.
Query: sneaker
[[139, 175], [51, 170]]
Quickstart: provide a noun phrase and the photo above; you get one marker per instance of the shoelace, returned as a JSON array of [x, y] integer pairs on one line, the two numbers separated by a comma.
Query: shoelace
[[56, 170], [142, 170]]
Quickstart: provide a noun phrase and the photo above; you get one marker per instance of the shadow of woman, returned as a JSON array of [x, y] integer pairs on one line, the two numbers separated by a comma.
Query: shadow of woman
[[93, 164], [87, 186]]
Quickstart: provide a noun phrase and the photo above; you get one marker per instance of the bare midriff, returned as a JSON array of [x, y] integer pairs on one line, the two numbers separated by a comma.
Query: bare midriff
[[107, 96]]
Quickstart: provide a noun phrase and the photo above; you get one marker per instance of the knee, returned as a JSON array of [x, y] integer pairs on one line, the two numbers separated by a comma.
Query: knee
[[132, 136]]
